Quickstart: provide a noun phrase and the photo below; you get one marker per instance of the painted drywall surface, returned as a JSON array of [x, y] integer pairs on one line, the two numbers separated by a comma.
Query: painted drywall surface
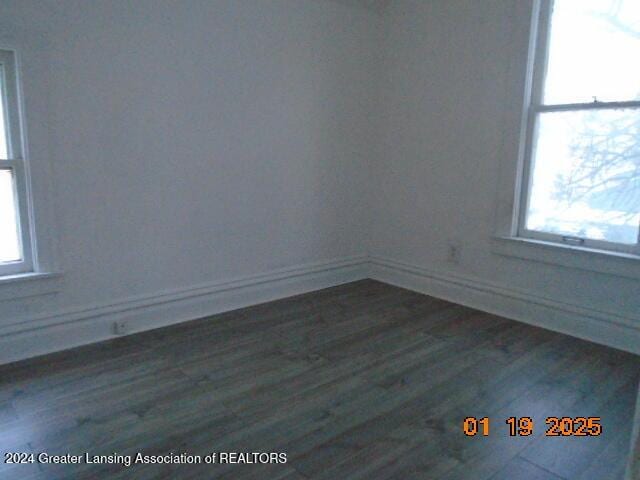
[[451, 97], [196, 142], [221, 139], [376, 5]]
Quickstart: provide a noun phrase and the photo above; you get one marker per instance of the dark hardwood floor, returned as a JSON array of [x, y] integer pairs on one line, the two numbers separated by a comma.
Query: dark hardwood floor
[[359, 381]]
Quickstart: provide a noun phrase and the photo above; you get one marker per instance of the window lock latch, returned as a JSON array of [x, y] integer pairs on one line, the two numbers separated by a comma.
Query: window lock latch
[[573, 240]]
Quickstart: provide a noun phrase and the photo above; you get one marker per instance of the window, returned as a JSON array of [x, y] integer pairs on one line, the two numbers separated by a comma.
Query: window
[[15, 238], [581, 178]]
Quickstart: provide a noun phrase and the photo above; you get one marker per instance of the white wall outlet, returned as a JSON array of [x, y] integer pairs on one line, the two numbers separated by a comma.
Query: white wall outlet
[[453, 252], [120, 328]]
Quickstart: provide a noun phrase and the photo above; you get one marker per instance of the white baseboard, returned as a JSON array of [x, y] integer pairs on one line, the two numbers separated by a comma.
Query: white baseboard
[[607, 328], [78, 327], [93, 324]]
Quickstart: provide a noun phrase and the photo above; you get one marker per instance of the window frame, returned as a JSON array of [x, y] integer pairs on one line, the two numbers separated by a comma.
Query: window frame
[[535, 106], [16, 163]]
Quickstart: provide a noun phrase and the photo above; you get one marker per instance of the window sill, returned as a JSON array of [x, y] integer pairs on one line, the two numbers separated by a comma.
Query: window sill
[[31, 284], [581, 258]]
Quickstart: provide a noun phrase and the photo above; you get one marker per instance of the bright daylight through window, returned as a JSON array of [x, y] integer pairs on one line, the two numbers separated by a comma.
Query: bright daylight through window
[[583, 182], [9, 240], [15, 249]]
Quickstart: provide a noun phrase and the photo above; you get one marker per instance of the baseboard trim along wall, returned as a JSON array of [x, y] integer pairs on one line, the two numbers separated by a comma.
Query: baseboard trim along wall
[[608, 328], [78, 327]]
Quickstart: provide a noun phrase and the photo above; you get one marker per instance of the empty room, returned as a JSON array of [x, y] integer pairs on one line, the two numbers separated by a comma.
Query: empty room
[[320, 239]]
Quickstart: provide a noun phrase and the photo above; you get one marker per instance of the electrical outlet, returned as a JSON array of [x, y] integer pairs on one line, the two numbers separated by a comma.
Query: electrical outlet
[[120, 328], [453, 253]]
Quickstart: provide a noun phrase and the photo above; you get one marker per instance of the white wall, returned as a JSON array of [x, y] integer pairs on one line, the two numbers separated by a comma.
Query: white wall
[[451, 98], [194, 142]]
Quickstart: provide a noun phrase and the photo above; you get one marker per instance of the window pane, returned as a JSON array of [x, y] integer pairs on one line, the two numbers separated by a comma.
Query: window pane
[[9, 241], [594, 51], [586, 175], [3, 131]]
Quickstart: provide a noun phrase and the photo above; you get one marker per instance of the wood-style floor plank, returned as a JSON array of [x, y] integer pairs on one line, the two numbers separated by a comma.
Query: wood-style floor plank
[[360, 381]]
